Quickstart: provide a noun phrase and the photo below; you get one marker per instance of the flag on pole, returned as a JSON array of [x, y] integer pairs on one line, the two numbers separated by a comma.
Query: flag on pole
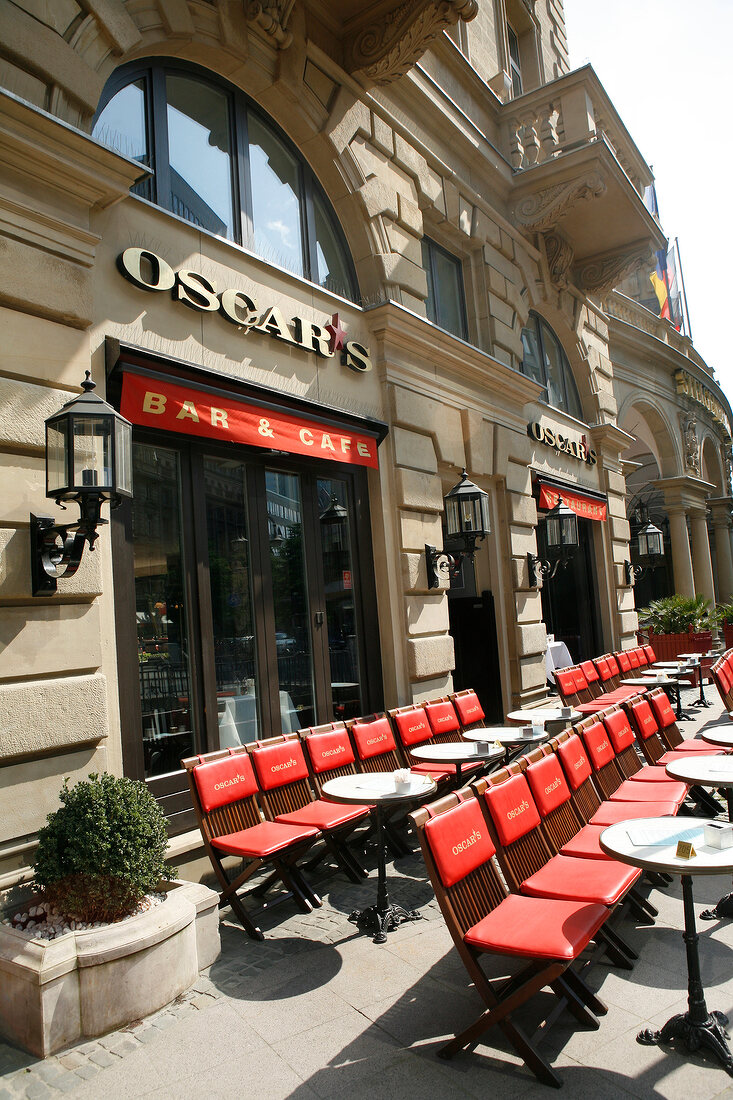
[[658, 280]]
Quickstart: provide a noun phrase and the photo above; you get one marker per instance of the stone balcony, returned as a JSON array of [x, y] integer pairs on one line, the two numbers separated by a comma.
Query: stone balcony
[[579, 181]]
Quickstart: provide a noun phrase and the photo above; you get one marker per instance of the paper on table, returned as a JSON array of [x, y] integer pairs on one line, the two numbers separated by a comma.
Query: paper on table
[[649, 838], [385, 784]]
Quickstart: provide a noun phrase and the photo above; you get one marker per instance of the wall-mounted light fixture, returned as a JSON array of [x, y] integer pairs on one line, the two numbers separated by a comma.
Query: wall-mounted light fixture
[[466, 523], [88, 462], [561, 530], [650, 547]]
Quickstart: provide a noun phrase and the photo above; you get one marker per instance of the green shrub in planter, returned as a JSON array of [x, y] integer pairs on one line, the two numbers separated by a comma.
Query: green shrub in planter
[[677, 615], [102, 850]]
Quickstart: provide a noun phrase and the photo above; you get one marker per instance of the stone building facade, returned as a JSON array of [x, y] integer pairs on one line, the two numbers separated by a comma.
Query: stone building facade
[[446, 162]]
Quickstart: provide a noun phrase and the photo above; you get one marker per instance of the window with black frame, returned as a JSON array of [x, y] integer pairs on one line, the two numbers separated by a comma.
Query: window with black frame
[[546, 363], [220, 163], [446, 302]]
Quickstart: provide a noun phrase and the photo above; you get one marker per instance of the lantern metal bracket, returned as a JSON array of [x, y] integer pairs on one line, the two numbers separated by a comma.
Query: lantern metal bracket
[[440, 566], [57, 549], [543, 567], [631, 572]]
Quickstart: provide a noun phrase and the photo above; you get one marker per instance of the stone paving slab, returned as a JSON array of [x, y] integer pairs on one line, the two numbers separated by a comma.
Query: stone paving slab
[[318, 1010]]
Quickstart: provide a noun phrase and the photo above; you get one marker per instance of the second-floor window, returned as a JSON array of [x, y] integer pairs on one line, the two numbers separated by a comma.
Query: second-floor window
[[546, 362], [445, 303], [515, 64], [220, 163]]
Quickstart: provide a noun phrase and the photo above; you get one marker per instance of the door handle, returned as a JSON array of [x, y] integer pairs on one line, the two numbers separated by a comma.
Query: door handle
[[318, 618]]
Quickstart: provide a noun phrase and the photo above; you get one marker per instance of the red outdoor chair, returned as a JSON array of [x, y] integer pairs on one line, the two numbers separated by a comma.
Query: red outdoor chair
[[287, 797], [224, 793], [412, 727], [544, 936], [468, 708], [609, 777]]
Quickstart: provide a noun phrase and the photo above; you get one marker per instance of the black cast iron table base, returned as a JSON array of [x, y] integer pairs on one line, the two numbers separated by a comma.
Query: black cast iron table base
[[378, 922], [724, 909], [697, 1027]]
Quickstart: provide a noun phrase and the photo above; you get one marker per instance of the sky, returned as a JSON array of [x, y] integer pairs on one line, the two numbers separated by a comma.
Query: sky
[[667, 66]]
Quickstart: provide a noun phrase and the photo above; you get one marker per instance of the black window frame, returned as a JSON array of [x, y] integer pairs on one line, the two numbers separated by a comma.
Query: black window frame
[[431, 249], [567, 372], [152, 71]]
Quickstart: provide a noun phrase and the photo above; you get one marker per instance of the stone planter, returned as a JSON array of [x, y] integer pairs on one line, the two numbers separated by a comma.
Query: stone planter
[[728, 635], [667, 646], [98, 979]]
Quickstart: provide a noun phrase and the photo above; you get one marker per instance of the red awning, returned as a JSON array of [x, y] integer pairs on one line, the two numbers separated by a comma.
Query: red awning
[[193, 411], [584, 506]]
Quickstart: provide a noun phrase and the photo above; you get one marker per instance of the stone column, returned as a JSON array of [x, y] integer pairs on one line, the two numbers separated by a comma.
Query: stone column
[[721, 521], [702, 564], [684, 582]]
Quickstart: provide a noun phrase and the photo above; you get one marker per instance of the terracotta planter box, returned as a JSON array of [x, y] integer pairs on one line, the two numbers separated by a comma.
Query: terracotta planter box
[[667, 646], [98, 979], [728, 635]]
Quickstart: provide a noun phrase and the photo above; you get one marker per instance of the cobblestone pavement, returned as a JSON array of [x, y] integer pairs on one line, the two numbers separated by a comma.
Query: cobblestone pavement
[[317, 1009]]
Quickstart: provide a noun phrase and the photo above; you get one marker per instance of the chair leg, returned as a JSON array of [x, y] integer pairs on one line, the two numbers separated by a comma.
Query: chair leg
[[342, 859], [575, 1004], [294, 884], [263, 887], [616, 950], [586, 994], [245, 920], [304, 887], [641, 908]]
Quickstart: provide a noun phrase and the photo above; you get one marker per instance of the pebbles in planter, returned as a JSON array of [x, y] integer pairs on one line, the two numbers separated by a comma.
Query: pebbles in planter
[[41, 922]]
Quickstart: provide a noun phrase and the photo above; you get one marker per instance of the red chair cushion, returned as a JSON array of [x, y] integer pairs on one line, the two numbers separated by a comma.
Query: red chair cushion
[[634, 658], [548, 785], [585, 844], [651, 773], [721, 676], [512, 808], [442, 717], [459, 841], [663, 712], [469, 709], [619, 730], [589, 671], [591, 880], [643, 659], [581, 684], [634, 791], [537, 929], [439, 770], [565, 682], [613, 665], [329, 750], [373, 738], [609, 813], [280, 764], [223, 781], [644, 720], [603, 669], [624, 660], [690, 748], [323, 815], [574, 760], [412, 726], [263, 840], [598, 745]]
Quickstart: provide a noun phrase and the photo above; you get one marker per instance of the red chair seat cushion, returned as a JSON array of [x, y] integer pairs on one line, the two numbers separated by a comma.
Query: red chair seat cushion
[[442, 770], [323, 815], [584, 845], [537, 929], [591, 880], [651, 773], [670, 757], [609, 813], [631, 791], [694, 745], [263, 840]]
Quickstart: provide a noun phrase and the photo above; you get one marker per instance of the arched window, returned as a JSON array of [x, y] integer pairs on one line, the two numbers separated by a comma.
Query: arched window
[[546, 363], [220, 163]]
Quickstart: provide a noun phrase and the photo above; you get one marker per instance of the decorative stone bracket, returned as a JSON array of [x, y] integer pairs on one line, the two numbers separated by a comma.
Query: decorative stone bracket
[[541, 209]]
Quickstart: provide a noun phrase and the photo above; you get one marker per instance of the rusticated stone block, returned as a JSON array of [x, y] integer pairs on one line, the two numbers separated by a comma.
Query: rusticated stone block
[[417, 528], [52, 714], [443, 423], [419, 491], [426, 614], [414, 450], [430, 656]]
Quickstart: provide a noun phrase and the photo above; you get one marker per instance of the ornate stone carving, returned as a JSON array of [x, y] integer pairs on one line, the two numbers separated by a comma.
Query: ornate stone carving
[[601, 274], [385, 49], [542, 209], [560, 257], [728, 456], [692, 447], [273, 17]]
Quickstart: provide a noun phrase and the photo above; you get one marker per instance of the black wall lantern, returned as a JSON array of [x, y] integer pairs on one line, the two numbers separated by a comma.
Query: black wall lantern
[[650, 547], [561, 532], [88, 461], [466, 523]]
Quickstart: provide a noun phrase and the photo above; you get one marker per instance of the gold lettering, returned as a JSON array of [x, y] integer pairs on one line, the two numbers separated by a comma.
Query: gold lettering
[[130, 264], [154, 403], [188, 412], [306, 432], [219, 418], [239, 308], [196, 291]]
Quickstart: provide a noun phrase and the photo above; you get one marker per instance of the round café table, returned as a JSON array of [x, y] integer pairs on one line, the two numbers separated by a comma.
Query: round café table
[[378, 789], [534, 716], [719, 736], [459, 753], [710, 771], [661, 679], [696, 660], [651, 843], [514, 738]]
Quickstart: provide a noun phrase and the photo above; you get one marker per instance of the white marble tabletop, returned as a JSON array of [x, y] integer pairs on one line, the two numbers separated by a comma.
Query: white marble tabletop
[[715, 736], [457, 752], [651, 843], [710, 771], [543, 714], [506, 735], [375, 787]]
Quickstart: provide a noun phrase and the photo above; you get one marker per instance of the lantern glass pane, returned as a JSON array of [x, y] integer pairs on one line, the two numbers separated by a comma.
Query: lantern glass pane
[[485, 519], [123, 457], [553, 531], [655, 543], [452, 517], [56, 468], [469, 516], [569, 531], [643, 544], [92, 443]]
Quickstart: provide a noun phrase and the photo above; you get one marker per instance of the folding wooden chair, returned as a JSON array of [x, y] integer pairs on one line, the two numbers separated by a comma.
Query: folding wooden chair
[[376, 751], [412, 727], [285, 790], [544, 935], [468, 708], [610, 779], [224, 793], [592, 678], [669, 731]]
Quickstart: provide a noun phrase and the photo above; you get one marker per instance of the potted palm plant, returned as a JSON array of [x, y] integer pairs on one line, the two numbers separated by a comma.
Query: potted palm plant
[[678, 624], [110, 936], [724, 619]]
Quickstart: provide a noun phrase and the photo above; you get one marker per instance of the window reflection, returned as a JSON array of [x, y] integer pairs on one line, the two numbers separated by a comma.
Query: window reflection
[[160, 610], [123, 125], [332, 270], [275, 199], [200, 155], [444, 304], [545, 362], [339, 578]]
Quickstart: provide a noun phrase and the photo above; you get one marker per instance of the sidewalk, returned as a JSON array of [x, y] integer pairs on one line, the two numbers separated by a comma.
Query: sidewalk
[[318, 1010]]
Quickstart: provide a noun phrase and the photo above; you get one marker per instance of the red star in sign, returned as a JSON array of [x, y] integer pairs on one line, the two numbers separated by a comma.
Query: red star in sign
[[338, 334]]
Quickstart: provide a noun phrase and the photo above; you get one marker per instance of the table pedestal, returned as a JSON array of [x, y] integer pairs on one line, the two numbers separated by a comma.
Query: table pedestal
[[698, 1027], [701, 701], [724, 909], [382, 917]]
